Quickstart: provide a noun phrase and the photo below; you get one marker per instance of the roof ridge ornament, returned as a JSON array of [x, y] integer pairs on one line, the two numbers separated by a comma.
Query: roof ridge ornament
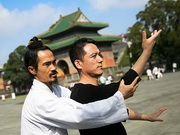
[[82, 18]]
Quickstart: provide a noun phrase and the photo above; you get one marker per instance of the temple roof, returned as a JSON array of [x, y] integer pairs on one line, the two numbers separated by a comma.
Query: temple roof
[[71, 40], [76, 19]]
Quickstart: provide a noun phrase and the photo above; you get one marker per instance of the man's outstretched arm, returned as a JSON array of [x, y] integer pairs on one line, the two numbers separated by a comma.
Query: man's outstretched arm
[[147, 46]]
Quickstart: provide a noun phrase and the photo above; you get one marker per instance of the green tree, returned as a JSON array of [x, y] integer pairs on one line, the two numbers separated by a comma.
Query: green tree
[[14, 69], [165, 15], [135, 37]]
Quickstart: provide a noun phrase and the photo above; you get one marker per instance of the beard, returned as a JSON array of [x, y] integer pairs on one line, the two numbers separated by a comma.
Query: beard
[[54, 72], [56, 81]]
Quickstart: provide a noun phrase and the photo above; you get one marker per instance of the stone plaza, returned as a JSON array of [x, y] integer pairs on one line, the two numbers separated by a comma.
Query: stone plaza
[[150, 95]]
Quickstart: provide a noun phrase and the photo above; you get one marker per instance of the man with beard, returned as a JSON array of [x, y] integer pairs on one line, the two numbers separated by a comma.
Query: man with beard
[[87, 59], [48, 109]]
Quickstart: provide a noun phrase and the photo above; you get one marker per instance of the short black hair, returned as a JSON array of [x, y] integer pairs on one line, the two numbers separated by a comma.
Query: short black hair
[[31, 58], [77, 52]]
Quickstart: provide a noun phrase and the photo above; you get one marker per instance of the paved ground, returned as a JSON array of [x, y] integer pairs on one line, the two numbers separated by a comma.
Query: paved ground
[[150, 95]]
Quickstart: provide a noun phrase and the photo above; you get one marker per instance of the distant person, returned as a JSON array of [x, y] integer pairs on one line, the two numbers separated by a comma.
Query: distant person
[[149, 74], [87, 59], [155, 72], [71, 85], [48, 109], [162, 68], [174, 67], [109, 79], [160, 75], [102, 80]]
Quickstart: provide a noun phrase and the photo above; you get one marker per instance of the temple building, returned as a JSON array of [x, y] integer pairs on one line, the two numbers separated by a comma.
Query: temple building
[[68, 29]]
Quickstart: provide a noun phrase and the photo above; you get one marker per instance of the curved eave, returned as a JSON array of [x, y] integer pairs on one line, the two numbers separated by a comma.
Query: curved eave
[[92, 25], [64, 43], [89, 25], [67, 42]]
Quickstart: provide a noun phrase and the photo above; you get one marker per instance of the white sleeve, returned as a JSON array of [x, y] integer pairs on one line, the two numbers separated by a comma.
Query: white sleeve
[[69, 114]]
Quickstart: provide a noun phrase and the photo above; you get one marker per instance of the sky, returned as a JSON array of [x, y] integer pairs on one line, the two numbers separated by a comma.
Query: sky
[[20, 20]]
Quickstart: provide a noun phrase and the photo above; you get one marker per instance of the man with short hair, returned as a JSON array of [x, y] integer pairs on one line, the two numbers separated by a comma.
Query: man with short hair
[[87, 59]]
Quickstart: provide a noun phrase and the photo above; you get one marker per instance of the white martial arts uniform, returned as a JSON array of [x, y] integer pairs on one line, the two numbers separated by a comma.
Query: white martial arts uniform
[[52, 113]]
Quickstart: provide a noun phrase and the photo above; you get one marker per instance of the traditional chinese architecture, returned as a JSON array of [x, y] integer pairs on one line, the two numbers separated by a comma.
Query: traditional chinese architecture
[[68, 29]]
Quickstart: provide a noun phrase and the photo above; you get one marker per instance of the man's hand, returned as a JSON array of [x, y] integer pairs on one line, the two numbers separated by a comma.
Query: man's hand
[[128, 90], [147, 117], [155, 115], [148, 44]]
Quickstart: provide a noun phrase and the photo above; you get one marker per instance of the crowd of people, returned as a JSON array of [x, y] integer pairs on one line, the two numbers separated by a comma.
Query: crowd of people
[[103, 80], [155, 73]]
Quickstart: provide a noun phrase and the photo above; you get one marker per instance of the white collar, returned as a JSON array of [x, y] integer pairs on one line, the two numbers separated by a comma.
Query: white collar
[[38, 85]]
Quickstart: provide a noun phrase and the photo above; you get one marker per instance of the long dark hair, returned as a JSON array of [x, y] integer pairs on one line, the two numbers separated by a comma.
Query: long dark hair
[[31, 58]]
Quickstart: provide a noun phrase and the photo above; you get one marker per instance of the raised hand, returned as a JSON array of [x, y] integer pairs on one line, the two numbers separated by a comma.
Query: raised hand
[[148, 43], [147, 46]]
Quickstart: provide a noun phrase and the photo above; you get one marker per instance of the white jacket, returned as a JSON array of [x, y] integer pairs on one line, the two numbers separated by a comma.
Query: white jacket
[[52, 113]]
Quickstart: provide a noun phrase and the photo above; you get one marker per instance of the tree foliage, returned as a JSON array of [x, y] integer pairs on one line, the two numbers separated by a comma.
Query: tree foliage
[[14, 69], [159, 14], [135, 37]]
